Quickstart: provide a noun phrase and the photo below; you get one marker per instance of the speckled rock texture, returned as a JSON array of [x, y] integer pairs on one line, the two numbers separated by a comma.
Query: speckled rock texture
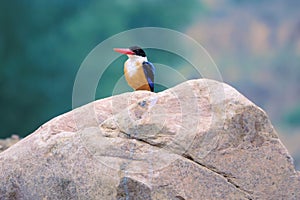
[[199, 140]]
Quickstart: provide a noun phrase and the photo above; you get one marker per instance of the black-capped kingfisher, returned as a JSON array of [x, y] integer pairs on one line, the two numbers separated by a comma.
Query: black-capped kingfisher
[[139, 73]]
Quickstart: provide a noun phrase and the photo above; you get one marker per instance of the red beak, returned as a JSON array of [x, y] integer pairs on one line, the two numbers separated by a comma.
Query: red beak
[[124, 51]]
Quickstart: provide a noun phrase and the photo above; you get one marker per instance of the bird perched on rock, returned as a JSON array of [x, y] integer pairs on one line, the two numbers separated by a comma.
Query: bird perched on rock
[[139, 73]]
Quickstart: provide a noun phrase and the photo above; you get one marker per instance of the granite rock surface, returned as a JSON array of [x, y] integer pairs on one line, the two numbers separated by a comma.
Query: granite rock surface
[[199, 140]]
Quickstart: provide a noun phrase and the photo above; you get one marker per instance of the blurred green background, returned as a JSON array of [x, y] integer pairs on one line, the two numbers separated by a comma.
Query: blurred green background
[[256, 45]]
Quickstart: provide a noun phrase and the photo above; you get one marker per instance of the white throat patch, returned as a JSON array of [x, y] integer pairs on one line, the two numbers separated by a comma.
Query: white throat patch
[[133, 63]]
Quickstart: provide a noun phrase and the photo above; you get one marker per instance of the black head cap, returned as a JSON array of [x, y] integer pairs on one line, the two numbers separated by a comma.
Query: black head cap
[[138, 51]]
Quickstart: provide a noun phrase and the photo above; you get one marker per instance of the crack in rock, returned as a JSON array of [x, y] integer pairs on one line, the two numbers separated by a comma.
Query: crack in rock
[[248, 194]]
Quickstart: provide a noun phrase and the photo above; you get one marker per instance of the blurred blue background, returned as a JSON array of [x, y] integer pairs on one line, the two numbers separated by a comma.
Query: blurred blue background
[[256, 45]]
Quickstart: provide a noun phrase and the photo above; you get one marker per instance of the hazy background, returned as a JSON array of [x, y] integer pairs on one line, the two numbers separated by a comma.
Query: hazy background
[[256, 45]]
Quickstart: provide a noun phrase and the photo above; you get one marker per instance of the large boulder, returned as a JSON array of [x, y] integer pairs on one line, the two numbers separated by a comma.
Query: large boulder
[[199, 140]]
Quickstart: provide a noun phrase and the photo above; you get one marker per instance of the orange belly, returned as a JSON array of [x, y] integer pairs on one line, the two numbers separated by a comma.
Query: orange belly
[[136, 78]]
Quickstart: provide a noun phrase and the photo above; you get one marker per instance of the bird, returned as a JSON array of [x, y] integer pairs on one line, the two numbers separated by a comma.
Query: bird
[[138, 71]]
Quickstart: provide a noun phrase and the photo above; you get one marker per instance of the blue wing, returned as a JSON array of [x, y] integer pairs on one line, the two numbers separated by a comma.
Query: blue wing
[[149, 71]]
